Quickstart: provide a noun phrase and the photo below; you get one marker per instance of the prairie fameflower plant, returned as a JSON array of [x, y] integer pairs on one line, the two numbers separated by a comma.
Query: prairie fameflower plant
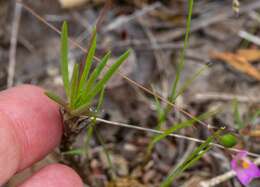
[[81, 88], [162, 113], [191, 159], [226, 139]]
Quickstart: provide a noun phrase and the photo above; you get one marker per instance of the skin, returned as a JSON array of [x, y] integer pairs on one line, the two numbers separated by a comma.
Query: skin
[[30, 128]]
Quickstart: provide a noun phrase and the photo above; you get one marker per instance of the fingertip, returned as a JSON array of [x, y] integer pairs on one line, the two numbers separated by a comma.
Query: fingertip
[[10, 151], [35, 120], [54, 175]]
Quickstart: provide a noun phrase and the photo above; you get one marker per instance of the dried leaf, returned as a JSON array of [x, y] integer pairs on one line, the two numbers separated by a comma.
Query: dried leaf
[[251, 55], [241, 61]]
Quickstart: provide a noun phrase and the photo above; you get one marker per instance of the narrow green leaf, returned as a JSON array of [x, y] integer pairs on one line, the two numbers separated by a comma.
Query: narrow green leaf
[[74, 85], [88, 136], [89, 133], [190, 80], [161, 118], [73, 152], [113, 68], [176, 127], [64, 57], [157, 138], [56, 98], [101, 99], [238, 120], [94, 75], [161, 115], [91, 127], [108, 157], [195, 159], [191, 160], [101, 83], [89, 61], [182, 55]]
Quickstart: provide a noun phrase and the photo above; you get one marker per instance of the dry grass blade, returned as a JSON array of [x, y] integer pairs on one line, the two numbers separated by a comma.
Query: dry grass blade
[[122, 75], [13, 43], [172, 135]]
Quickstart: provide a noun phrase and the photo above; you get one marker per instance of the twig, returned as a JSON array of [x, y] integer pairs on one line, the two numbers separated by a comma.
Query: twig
[[56, 18], [13, 44], [26, 44], [221, 178], [225, 97], [121, 20], [82, 21], [172, 135], [254, 15], [158, 54], [144, 89], [146, 45], [202, 23], [97, 27], [249, 37], [102, 14], [138, 85]]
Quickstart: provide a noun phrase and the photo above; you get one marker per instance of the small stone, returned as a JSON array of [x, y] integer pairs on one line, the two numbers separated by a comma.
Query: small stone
[[72, 3], [148, 176], [129, 151]]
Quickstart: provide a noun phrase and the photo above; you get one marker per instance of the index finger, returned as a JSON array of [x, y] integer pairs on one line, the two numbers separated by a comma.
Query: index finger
[[30, 127]]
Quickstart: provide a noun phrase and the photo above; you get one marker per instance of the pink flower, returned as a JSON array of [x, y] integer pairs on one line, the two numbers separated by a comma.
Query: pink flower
[[245, 170]]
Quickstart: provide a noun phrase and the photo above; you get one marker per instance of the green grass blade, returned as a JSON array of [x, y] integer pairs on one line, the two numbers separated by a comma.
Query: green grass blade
[[89, 61], [161, 119], [101, 83], [56, 98], [94, 75], [64, 57], [157, 138], [182, 55], [188, 82], [160, 112], [176, 127], [74, 85], [113, 68], [237, 117], [111, 166], [191, 160], [101, 99], [73, 152], [88, 136], [93, 122], [183, 167]]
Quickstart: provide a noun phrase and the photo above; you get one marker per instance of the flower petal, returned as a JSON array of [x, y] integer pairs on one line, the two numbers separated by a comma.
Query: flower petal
[[245, 170]]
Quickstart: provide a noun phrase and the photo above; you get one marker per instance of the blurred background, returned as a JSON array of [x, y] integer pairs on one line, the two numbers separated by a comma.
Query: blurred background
[[225, 36]]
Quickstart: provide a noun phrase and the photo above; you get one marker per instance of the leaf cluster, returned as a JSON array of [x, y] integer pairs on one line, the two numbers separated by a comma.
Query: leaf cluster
[[84, 85]]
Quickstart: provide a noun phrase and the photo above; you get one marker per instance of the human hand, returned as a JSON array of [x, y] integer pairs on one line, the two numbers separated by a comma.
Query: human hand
[[30, 127]]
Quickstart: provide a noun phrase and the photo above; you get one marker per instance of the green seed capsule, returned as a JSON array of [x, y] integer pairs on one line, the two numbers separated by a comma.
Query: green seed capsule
[[228, 140]]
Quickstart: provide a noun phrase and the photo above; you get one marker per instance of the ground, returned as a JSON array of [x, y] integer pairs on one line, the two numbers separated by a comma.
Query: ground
[[155, 31]]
